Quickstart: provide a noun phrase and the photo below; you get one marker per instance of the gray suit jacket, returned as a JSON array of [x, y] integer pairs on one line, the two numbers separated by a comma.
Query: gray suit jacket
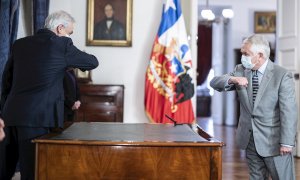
[[273, 117]]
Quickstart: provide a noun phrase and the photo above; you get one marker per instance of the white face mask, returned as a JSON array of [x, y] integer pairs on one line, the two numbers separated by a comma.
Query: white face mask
[[246, 61]]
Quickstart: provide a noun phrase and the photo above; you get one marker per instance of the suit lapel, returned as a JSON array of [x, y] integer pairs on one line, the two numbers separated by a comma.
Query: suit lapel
[[264, 82]]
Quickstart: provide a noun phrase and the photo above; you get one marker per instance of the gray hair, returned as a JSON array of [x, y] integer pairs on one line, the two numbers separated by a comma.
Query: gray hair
[[57, 18], [259, 44]]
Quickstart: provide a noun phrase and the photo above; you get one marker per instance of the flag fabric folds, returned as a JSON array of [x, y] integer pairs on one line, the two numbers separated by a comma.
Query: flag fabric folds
[[169, 85]]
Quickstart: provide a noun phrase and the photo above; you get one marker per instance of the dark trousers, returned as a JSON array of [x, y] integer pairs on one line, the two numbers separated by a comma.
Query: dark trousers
[[17, 146]]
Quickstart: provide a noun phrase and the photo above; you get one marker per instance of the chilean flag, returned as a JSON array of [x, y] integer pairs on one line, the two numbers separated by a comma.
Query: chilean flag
[[169, 85]]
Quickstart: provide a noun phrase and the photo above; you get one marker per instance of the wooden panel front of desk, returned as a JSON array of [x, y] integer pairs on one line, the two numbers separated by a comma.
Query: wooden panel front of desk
[[100, 103], [76, 159]]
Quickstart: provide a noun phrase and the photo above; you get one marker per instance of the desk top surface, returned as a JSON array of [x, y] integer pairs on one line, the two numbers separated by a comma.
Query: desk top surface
[[129, 132]]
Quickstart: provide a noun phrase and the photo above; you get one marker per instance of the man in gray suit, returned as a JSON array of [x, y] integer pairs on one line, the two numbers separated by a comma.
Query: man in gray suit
[[268, 110]]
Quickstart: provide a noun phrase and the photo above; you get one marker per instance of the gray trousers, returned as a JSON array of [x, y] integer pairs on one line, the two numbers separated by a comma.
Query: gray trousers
[[278, 167]]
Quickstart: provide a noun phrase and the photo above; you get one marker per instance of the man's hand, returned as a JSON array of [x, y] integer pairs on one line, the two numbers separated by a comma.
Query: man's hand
[[240, 81], [2, 134], [285, 150], [76, 105]]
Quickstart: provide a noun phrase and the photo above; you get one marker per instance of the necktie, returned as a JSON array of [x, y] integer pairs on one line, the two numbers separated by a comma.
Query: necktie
[[254, 84]]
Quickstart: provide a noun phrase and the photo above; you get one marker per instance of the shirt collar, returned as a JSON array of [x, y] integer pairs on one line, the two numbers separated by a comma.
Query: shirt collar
[[263, 67]]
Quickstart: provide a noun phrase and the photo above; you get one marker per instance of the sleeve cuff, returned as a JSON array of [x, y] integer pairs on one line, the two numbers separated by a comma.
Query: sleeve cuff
[[228, 86], [285, 145]]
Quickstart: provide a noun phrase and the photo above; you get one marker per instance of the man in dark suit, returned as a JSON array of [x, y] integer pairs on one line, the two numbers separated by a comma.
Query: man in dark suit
[[72, 95], [32, 98], [109, 28], [268, 110]]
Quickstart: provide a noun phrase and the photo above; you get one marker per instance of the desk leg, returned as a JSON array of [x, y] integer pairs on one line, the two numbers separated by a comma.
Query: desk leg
[[216, 163]]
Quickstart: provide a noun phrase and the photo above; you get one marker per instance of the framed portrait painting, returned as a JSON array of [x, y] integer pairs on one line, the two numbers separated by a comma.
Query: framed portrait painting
[[265, 22], [109, 22]]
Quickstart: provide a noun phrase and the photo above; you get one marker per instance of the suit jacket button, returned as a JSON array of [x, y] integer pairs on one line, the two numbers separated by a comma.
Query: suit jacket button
[[250, 130]]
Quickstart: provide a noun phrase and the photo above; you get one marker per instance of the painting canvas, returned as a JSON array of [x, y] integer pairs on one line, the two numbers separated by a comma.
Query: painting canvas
[[109, 23], [265, 22]]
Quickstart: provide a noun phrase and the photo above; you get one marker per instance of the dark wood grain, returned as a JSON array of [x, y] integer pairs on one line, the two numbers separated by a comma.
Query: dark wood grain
[[101, 103], [119, 162]]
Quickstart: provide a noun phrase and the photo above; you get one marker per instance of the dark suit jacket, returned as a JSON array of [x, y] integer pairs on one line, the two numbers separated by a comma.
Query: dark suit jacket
[[72, 94], [32, 85], [115, 32]]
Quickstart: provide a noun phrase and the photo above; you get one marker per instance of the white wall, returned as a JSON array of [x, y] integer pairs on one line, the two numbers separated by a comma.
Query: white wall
[[242, 23], [119, 65]]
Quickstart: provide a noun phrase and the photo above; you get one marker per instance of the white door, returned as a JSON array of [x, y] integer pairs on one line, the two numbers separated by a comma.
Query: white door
[[287, 43]]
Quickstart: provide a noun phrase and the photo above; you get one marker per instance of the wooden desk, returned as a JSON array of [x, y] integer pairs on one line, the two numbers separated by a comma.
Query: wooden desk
[[127, 151]]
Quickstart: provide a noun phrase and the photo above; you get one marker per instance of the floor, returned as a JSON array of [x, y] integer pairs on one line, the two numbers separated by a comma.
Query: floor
[[234, 163]]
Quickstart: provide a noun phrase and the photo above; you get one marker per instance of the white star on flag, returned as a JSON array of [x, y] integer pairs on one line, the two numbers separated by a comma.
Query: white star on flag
[[170, 3], [174, 67]]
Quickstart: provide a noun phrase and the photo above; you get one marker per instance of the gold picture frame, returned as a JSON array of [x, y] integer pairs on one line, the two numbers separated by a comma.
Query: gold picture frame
[[265, 22], [120, 31]]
